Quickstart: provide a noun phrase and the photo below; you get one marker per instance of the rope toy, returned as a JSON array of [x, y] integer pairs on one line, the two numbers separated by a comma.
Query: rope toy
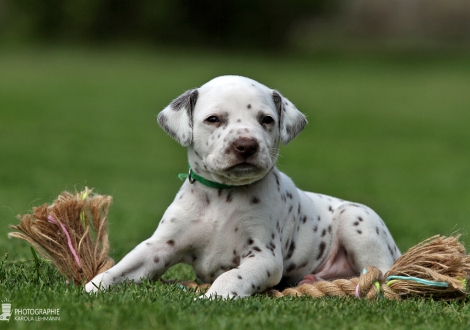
[[72, 233], [437, 267]]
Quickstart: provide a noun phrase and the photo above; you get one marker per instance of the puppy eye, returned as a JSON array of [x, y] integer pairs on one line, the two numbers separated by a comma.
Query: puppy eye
[[212, 119], [267, 120]]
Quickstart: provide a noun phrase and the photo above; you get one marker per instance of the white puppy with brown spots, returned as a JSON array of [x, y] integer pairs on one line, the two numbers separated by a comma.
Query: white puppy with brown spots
[[237, 220]]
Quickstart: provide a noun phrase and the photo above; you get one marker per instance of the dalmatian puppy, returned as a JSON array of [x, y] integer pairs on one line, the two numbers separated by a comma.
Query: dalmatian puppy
[[237, 220]]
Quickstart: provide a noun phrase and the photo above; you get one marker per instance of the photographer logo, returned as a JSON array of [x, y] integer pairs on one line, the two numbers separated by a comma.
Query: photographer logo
[[6, 311], [28, 314]]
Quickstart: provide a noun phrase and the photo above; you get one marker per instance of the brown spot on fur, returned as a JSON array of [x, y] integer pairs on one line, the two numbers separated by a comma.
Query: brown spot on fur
[[291, 250], [321, 250], [291, 267], [254, 200], [236, 260]]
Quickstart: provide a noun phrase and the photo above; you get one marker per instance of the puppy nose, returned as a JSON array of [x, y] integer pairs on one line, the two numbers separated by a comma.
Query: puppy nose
[[245, 147]]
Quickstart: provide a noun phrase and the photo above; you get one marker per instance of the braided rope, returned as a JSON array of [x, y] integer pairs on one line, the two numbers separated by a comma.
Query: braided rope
[[369, 285]]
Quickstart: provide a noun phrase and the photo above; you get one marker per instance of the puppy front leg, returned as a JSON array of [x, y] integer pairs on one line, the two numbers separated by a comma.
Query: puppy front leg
[[149, 259], [252, 276]]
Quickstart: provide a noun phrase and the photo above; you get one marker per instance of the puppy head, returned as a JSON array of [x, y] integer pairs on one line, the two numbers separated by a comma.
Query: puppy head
[[232, 126]]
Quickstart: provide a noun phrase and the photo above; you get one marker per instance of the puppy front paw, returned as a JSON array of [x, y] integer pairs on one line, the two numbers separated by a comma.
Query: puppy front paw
[[96, 284], [221, 294]]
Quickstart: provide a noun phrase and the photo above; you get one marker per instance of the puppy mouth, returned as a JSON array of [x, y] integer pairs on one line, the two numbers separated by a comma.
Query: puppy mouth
[[243, 169]]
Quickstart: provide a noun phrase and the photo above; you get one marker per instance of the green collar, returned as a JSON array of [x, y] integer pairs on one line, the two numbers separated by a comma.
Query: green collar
[[192, 177]]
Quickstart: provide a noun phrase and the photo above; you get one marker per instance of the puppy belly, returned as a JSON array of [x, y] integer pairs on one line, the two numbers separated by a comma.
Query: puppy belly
[[337, 266]]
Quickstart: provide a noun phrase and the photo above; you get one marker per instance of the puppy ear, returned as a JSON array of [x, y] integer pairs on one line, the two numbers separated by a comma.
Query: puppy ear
[[291, 120], [177, 118]]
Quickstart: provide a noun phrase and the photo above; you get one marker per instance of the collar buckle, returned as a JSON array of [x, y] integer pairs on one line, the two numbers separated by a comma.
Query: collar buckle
[[190, 176]]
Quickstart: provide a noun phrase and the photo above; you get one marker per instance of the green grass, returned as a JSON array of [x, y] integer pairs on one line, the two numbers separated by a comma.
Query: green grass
[[157, 306], [388, 132]]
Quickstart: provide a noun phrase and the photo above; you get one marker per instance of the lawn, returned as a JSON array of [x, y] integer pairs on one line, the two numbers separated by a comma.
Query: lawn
[[389, 132]]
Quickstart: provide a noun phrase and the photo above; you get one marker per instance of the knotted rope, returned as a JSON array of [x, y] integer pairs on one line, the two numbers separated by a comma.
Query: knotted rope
[[437, 267], [71, 232]]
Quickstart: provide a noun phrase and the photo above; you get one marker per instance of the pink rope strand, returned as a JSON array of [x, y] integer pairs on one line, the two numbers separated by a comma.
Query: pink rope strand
[[69, 241]]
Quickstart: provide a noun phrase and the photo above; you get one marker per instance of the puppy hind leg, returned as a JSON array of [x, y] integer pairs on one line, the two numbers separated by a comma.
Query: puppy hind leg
[[365, 238]]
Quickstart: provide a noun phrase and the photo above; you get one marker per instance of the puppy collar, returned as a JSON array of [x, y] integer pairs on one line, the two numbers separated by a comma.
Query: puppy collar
[[193, 177]]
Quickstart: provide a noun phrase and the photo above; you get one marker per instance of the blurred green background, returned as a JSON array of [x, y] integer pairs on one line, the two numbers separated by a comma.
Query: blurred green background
[[385, 87]]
